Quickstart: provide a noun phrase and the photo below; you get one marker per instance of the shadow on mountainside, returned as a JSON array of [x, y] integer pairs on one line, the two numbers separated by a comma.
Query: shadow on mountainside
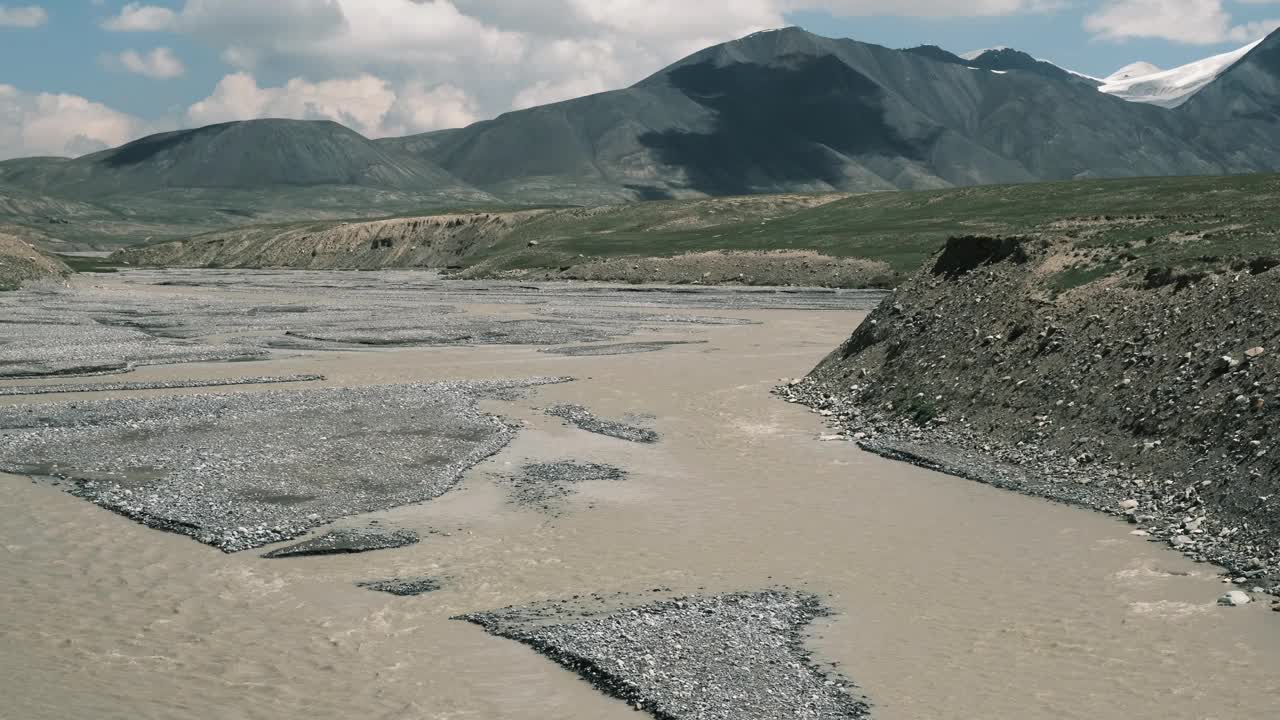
[[779, 125]]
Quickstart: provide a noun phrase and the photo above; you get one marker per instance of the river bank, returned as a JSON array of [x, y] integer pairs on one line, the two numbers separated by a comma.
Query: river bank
[[1151, 397]]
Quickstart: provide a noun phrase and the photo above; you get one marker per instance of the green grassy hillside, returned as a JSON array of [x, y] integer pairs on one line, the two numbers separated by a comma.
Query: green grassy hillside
[[1107, 224], [1205, 216]]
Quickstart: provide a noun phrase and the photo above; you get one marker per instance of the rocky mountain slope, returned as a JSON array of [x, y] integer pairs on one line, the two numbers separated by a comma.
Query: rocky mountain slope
[[190, 181], [1147, 390], [791, 111]]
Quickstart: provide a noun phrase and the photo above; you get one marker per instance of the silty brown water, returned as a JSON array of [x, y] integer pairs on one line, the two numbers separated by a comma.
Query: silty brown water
[[952, 599]]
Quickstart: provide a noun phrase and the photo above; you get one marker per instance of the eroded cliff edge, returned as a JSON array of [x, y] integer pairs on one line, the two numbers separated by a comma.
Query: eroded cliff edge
[[1096, 377]]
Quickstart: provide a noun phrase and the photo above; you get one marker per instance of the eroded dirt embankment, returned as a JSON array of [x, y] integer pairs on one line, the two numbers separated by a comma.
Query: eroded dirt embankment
[[1154, 396], [430, 241], [21, 262], [621, 243], [435, 241]]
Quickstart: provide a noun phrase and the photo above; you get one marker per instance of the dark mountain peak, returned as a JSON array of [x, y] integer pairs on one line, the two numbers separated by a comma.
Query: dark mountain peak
[[240, 132], [1007, 59], [1248, 90], [1270, 41], [933, 52], [1004, 56], [1266, 55], [766, 47]]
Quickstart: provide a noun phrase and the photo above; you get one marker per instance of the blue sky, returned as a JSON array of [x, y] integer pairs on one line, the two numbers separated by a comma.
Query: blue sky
[[77, 75], [1060, 36]]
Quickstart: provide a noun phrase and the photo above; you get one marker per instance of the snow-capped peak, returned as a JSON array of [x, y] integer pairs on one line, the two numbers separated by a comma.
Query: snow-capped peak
[[1132, 70], [1171, 88]]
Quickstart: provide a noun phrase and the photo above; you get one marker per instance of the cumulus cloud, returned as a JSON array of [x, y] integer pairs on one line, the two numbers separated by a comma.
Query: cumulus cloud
[[365, 103], [506, 53], [931, 8], [360, 102], [28, 16], [1190, 22], [159, 64], [419, 108], [136, 17], [59, 124]]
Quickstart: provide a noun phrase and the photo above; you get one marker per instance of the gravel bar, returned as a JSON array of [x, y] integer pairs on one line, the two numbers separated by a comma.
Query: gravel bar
[[242, 470], [32, 349], [583, 419], [404, 587], [720, 657], [347, 541], [156, 385]]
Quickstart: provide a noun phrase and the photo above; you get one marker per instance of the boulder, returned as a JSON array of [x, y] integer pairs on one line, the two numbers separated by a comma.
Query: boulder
[[1235, 598]]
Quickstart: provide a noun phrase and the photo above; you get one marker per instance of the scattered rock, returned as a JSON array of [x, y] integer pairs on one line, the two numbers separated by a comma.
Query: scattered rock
[[542, 486]]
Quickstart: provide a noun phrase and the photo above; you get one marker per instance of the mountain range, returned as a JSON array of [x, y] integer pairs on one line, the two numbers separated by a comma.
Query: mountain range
[[777, 111]]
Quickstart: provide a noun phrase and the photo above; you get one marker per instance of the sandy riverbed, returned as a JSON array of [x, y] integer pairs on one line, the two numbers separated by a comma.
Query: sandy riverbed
[[951, 599]]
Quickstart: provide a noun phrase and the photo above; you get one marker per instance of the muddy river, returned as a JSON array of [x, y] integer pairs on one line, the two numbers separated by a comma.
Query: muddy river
[[951, 599]]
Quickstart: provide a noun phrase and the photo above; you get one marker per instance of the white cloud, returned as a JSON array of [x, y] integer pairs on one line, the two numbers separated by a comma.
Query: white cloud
[[136, 17], [28, 16], [159, 64], [1250, 31], [506, 53], [365, 103], [359, 103], [59, 124], [1190, 22], [419, 108], [931, 8]]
